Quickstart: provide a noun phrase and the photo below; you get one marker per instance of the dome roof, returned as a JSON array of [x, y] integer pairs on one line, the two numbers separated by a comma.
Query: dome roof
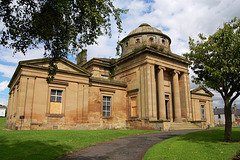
[[145, 28]]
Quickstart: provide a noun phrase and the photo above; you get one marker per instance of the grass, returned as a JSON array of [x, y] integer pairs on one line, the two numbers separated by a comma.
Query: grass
[[202, 145], [53, 144]]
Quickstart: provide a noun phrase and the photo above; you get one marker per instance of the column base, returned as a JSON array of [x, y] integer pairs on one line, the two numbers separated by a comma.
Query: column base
[[178, 120], [153, 119]]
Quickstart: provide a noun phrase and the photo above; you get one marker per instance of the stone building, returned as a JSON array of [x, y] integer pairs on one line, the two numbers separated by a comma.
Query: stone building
[[146, 88], [219, 116]]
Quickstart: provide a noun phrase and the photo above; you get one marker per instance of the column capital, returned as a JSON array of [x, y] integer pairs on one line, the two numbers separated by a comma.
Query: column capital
[[161, 68], [175, 72]]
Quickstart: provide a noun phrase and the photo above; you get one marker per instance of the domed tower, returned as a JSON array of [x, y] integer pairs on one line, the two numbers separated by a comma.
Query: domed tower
[[145, 35]]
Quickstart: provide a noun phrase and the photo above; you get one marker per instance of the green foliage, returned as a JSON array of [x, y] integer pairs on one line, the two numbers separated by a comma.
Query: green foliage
[[112, 72], [139, 48], [204, 145], [52, 144], [216, 59], [161, 49], [216, 63], [154, 46], [61, 26]]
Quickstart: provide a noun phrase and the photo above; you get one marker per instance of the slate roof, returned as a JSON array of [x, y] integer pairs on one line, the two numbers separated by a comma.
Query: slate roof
[[2, 106], [221, 111]]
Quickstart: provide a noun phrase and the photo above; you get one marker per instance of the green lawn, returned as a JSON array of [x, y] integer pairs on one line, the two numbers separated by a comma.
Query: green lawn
[[202, 145], [52, 144]]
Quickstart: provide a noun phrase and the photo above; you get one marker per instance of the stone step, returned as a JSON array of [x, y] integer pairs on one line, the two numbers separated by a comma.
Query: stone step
[[183, 126]]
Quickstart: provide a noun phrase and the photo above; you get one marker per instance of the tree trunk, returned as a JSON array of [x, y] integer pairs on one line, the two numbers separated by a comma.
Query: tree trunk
[[228, 121]]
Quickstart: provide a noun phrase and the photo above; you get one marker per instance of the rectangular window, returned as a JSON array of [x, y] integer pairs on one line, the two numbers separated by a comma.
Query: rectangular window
[[219, 116], [134, 106], [203, 111], [56, 101], [56, 96], [106, 106]]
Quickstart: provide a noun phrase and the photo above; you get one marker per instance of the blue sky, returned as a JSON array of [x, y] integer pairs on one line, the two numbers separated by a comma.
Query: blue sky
[[178, 19]]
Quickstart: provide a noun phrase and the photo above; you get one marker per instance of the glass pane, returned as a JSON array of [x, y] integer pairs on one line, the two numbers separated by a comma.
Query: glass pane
[[104, 108], [59, 93], [108, 108], [59, 99], [109, 99], [108, 113], [53, 92], [104, 103], [104, 98], [104, 113], [108, 104], [52, 99]]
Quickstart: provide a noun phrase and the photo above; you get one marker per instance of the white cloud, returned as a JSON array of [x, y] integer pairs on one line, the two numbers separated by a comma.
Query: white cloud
[[3, 85], [104, 49], [3, 101], [6, 55], [182, 18], [7, 70]]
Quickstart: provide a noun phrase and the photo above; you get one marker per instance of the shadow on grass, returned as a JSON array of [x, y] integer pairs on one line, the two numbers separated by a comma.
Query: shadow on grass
[[211, 136], [31, 149]]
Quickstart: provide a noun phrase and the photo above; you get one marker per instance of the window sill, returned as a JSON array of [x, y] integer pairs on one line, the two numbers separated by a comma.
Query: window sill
[[56, 115], [106, 117]]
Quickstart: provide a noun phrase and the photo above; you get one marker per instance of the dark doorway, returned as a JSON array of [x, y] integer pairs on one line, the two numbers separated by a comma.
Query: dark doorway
[[166, 107]]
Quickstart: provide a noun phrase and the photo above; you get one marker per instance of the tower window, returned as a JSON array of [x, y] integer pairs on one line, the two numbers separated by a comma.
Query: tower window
[[137, 40], [151, 39], [163, 41]]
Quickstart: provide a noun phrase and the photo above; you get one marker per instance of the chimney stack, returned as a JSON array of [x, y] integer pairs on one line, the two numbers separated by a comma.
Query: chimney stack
[[235, 108], [81, 57]]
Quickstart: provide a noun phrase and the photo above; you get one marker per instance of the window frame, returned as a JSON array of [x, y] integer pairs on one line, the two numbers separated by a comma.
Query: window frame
[[203, 113], [56, 96], [60, 88], [106, 111]]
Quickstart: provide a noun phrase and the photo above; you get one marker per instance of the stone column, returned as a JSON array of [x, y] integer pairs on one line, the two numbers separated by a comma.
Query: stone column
[[161, 96], [176, 96]]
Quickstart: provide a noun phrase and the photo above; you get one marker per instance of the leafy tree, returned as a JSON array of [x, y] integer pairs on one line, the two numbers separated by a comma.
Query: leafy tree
[[61, 26], [216, 63]]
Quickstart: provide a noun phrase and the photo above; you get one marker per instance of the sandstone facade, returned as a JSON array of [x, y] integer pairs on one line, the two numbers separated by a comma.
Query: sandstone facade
[[146, 88]]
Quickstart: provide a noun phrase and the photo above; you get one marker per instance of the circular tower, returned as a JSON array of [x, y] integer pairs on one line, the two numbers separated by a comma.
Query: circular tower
[[145, 35]]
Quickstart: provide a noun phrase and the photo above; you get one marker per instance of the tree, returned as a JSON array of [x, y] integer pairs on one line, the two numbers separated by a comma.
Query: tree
[[61, 26], [216, 63]]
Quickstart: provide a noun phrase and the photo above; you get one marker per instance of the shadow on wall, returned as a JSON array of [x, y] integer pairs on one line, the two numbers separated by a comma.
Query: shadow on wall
[[31, 149]]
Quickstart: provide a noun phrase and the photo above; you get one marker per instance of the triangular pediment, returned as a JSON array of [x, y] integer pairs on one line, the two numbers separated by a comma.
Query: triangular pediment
[[62, 64], [202, 91]]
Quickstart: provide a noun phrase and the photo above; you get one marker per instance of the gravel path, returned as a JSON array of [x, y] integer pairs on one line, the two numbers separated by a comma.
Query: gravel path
[[131, 148]]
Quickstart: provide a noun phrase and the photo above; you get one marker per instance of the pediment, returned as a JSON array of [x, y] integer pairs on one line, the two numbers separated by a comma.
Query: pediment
[[202, 91], [62, 64]]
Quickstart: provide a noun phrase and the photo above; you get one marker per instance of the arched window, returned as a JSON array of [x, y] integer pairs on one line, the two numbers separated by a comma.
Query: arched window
[[151, 39], [137, 40], [163, 41]]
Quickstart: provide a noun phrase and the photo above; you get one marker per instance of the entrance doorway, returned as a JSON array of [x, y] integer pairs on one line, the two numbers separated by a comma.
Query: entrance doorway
[[166, 108]]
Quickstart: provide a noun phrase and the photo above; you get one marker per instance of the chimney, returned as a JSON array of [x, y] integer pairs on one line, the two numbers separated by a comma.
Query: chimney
[[235, 108], [81, 57]]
